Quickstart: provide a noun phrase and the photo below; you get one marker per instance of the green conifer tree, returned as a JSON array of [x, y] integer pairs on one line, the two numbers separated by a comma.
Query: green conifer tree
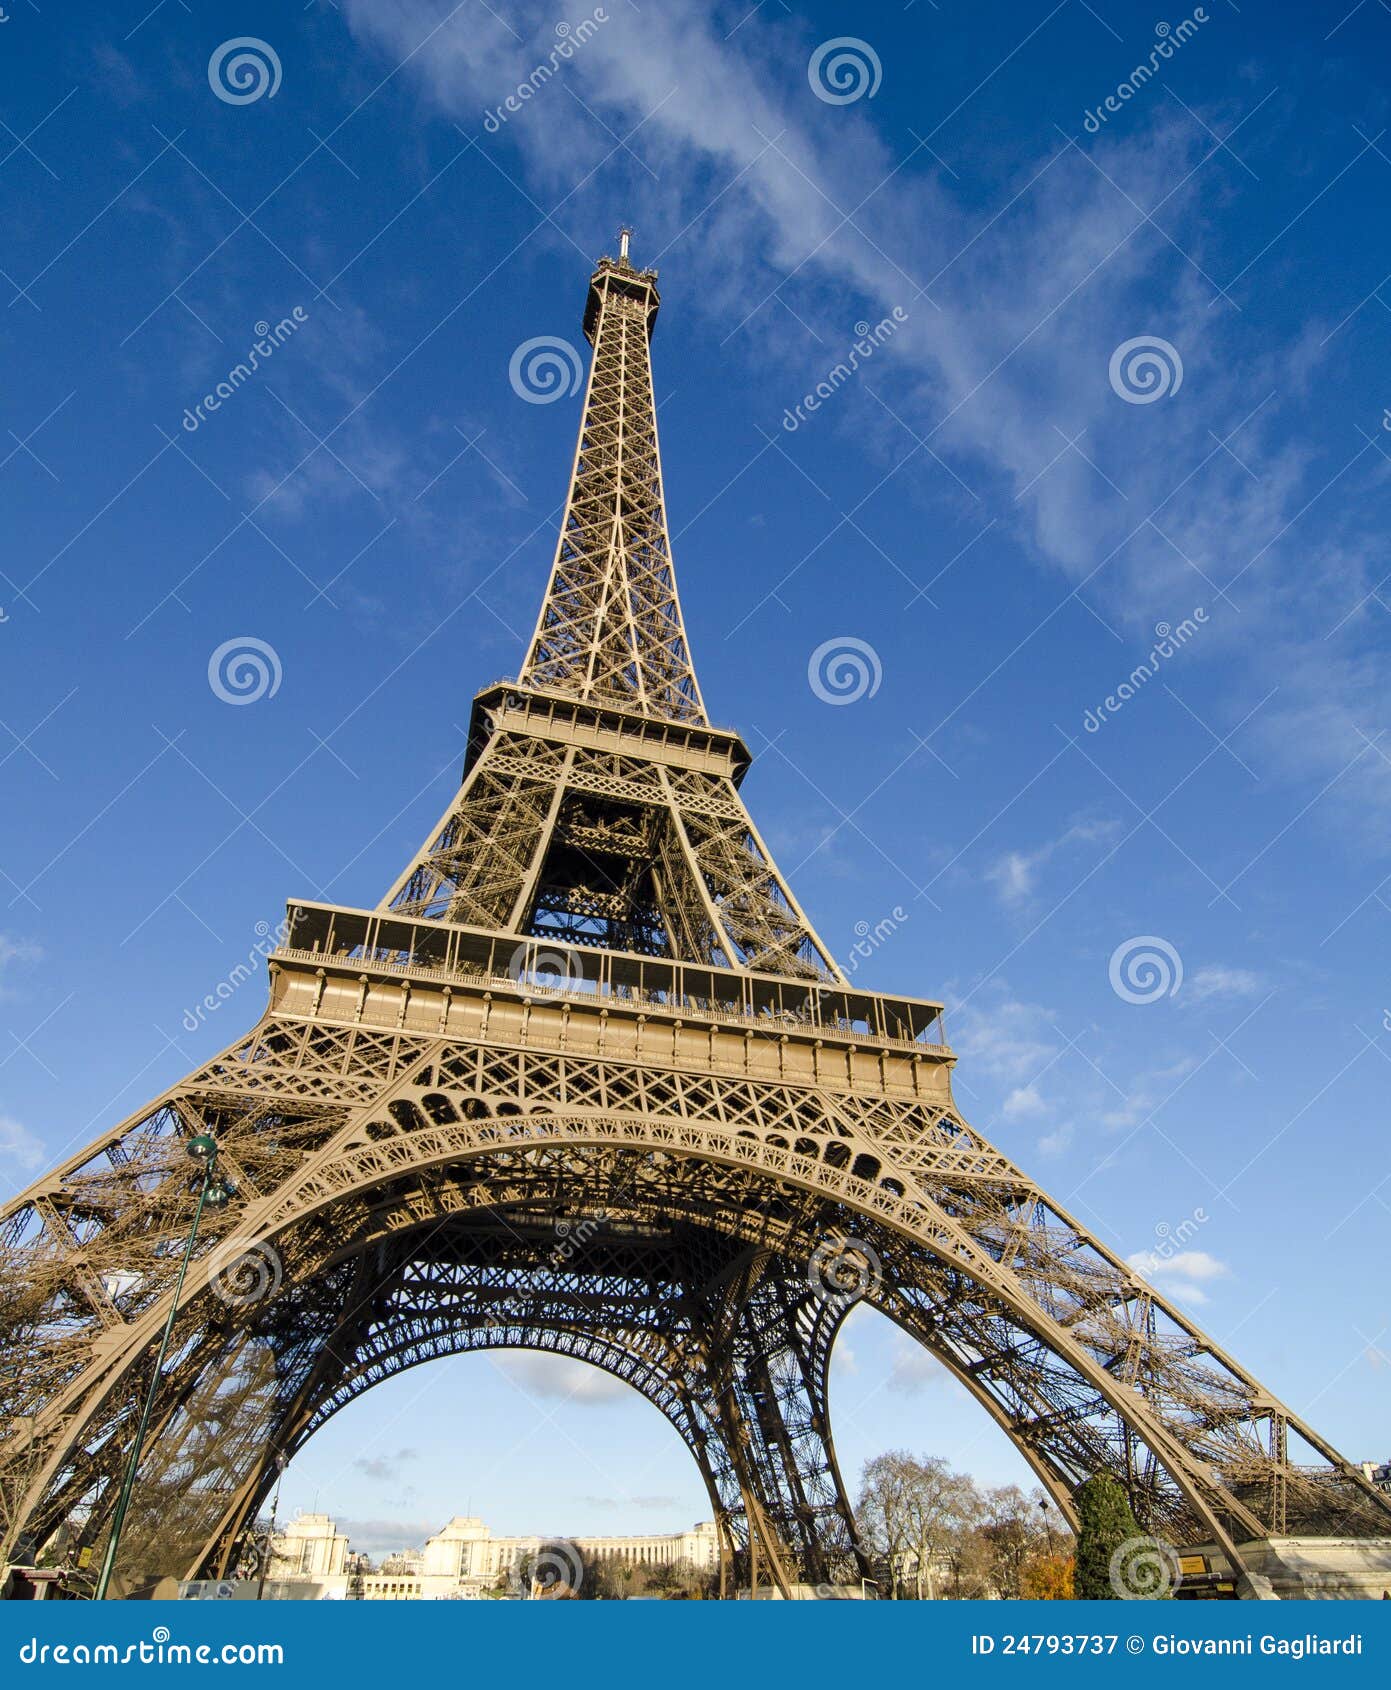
[[1104, 1523]]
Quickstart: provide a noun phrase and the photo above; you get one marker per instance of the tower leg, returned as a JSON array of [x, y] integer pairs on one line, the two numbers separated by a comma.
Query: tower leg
[[770, 1369]]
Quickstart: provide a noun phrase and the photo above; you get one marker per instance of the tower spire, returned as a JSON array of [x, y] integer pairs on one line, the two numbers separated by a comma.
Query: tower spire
[[610, 629]]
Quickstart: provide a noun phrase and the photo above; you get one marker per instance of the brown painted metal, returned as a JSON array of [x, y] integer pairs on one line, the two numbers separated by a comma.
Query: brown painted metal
[[587, 1080]]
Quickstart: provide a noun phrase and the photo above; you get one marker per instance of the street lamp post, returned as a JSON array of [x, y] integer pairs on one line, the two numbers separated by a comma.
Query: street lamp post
[[280, 1459], [212, 1193]]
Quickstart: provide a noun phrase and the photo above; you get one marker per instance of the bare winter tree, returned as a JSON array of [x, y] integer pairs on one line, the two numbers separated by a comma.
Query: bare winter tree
[[940, 1505], [942, 1535], [883, 1509]]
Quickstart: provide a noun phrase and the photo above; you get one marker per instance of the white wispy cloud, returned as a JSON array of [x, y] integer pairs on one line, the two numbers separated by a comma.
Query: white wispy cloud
[[13, 951], [1006, 1038], [859, 1325], [20, 1149], [1015, 875], [1182, 1275], [913, 1370], [1023, 1103], [1218, 981], [1056, 1142], [1146, 1094], [561, 1379], [383, 1467]]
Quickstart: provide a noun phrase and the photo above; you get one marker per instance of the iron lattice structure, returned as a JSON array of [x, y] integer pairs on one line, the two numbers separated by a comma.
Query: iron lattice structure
[[588, 1081]]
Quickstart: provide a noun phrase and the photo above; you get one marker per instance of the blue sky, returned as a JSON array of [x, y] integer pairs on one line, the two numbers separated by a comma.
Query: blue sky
[[1003, 523]]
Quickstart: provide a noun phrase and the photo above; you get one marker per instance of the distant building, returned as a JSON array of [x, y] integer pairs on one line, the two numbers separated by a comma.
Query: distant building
[[1379, 1472], [313, 1558], [310, 1547]]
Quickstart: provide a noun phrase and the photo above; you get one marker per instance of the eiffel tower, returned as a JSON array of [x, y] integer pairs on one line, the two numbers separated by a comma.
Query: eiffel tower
[[586, 1080]]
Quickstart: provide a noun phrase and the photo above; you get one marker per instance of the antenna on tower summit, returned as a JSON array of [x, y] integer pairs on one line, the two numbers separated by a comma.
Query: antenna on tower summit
[[623, 237]]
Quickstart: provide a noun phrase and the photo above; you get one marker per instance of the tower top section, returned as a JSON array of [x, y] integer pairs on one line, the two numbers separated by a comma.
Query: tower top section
[[610, 630], [616, 278]]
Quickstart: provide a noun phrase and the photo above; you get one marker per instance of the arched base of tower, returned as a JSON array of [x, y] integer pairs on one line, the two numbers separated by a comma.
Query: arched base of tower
[[430, 1165]]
